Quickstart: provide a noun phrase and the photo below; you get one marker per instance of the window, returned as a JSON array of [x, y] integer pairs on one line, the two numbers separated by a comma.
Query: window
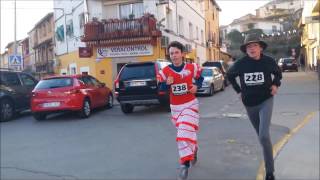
[[60, 33], [69, 28], [206, 73], [81, 20], [274, 28], [191, 31], [44, 29], [49, 27], [180, 25], [81, 23], [169, 19], [54, 83], [73, 68], [131, 10], [137, 71], [197, 32], [10, 79], [94, 81], [27, 80], [202, 37]]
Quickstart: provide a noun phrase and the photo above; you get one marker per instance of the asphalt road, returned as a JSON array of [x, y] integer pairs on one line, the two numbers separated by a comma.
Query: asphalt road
[[111, 145]]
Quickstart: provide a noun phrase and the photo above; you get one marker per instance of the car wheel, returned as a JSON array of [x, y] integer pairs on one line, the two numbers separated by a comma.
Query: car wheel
[[127, 108], [110, 101], [211, 90], [39, 116], [7, 110], [86, 109]]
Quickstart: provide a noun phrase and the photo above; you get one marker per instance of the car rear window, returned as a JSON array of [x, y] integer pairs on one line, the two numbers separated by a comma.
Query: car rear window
[[287, 60], [140, 71], [206, 72], [54, 83]]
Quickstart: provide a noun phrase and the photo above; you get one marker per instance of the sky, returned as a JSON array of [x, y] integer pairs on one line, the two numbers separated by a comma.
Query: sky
[[233, 9], [30, 12]]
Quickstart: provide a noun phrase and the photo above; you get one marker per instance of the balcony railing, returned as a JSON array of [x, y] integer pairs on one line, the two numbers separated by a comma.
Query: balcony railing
[[113, 31]]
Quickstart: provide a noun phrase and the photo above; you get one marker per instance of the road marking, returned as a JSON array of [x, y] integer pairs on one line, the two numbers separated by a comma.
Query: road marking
[[280, 144], [232, 115]]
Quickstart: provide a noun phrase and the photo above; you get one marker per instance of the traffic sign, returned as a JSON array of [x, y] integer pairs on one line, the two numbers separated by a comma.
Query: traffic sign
[[16, 62]]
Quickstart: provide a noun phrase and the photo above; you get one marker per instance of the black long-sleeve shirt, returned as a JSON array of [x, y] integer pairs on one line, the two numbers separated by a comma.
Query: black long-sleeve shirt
[[255, 78]]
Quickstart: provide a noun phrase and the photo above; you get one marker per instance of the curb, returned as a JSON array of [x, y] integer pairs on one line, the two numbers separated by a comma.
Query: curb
[[283, 141]]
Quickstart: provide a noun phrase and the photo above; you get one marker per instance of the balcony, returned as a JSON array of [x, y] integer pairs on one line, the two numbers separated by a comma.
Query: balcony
[[114, 32]]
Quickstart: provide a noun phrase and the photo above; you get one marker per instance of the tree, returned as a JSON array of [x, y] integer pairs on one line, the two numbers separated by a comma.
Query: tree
[[235, 37], [254, 31]]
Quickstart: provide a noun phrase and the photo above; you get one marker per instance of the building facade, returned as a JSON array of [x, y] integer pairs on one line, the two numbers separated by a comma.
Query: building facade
[[278, 8], [42, 46], [4, 60], [250, 21], [212, 10], [98, 37], [310, 39], [27, 64]]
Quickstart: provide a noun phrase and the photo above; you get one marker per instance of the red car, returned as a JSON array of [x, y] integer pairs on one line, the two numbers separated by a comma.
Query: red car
[[79, 93]]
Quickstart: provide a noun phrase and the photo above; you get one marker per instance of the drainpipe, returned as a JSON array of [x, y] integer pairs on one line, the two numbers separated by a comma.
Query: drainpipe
[[86, 13]]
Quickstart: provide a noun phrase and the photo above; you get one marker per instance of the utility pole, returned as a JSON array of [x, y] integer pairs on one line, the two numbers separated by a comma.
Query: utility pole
[[15, 28]]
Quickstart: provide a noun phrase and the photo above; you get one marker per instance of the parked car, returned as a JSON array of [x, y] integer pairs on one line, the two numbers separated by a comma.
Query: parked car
[[221, 65], [288, 64], [213, 81], [15, 92], [137, 84], [80, 93]]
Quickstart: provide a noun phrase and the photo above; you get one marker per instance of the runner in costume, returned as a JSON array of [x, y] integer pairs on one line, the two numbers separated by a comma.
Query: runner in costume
[[179, 78]]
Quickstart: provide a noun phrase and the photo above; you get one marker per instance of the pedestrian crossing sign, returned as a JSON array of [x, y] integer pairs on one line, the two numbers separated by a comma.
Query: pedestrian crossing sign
[[15, 60]]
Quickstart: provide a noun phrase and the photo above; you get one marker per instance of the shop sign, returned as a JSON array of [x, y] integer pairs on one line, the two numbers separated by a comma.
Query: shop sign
[[124, 51], [85, 52]]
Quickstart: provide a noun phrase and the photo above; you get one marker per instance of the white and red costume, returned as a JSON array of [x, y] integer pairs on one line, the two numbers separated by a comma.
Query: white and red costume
[[184, 108]]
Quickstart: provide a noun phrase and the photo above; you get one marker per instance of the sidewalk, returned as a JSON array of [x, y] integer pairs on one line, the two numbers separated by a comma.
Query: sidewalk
[[299, 158]]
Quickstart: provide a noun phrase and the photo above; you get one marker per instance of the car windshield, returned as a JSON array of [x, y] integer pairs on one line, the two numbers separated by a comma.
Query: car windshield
[[54, 83], [206, 72], [138, 72]]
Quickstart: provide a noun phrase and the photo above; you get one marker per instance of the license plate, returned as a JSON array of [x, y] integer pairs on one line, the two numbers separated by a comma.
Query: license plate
[[52, 104], [289, 64], [138, 83]]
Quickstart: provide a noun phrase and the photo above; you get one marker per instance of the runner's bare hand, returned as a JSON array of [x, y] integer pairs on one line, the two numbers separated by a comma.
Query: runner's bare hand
[[194, 89], [169, 80], [274, 89]]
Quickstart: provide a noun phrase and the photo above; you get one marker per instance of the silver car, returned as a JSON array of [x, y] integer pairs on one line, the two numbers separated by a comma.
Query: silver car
[[213, 81]]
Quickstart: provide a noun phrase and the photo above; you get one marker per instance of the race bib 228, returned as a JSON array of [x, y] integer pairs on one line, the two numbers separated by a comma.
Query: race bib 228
[[252, 79]]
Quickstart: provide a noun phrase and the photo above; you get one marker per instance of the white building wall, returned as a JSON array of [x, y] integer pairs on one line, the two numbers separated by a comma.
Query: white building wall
[[63, 12], [95, 8], [193, 13], [267, 26], [110, 9], [293, 4]]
